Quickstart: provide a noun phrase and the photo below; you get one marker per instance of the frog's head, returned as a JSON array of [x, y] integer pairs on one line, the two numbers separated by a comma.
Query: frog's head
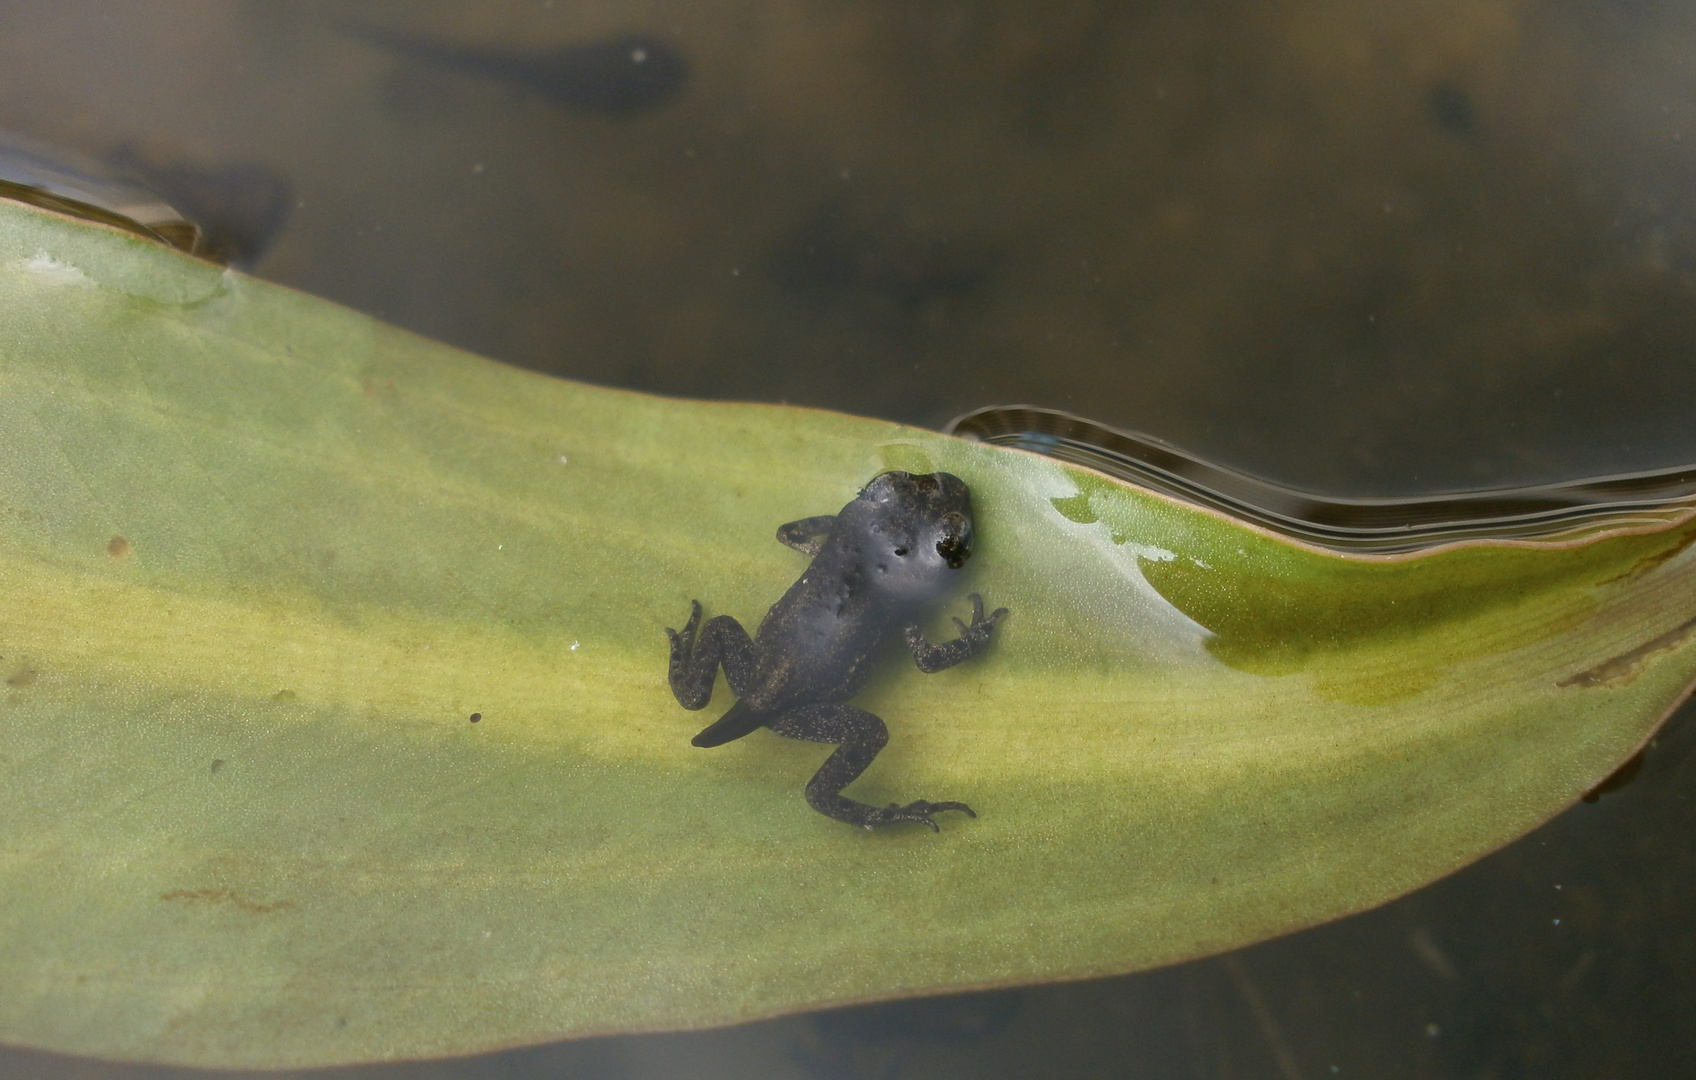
[[915, 529]]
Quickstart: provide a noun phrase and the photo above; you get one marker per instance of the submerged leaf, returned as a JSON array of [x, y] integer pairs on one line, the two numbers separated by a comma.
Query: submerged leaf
[[265, 561]]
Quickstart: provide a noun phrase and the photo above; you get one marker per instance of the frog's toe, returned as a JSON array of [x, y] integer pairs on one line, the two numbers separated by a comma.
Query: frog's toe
[[688, 630], [683, 641], [916, 813], [929, 808], [939, 807], [896, 814]]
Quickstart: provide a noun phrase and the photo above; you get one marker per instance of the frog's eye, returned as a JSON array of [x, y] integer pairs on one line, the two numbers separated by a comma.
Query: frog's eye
[[901, 552], [955, 545], [955, 550]]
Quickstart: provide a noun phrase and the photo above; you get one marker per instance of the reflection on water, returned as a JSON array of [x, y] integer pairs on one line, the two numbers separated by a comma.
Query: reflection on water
[[1375, 524], [1364, 247], [240, 207], [64, 183]]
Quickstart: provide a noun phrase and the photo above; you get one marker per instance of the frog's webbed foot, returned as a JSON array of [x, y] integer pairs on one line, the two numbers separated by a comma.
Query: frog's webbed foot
[[697, 651], [683, 641], [917, 812], [973, 639], [691, 693], [859, 736]]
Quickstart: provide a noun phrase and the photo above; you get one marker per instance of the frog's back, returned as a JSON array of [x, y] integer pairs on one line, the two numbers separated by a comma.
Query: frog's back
[[815, 644], [888, 552]]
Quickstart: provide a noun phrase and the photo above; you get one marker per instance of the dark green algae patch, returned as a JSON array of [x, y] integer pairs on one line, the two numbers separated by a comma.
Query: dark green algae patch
[[1276, 607]]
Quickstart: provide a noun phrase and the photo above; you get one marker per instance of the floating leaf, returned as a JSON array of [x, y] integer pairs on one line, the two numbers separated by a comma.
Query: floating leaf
[[264, 559]]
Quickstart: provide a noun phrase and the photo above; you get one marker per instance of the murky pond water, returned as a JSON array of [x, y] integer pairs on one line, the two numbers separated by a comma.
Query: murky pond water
[[1367, 248]]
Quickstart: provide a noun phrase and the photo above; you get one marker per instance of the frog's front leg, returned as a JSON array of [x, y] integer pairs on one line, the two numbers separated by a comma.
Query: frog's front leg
[[973, 639], [808, 534], [859, 736], [697, 651]]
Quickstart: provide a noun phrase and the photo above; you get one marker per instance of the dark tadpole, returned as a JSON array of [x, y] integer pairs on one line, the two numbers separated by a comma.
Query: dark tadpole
[[1451, 108], [622, 76]]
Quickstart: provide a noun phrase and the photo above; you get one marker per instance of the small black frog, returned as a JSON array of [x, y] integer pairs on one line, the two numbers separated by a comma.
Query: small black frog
[[875, 567]]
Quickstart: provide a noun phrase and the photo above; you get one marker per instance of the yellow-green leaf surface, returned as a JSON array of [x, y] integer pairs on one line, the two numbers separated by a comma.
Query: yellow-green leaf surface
[[262, 558]]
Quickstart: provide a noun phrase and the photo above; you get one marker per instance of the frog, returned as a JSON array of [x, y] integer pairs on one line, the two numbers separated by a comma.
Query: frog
[[877, 566]]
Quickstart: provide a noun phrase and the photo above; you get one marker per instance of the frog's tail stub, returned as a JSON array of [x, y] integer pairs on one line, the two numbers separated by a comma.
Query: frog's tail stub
[[736, 722]]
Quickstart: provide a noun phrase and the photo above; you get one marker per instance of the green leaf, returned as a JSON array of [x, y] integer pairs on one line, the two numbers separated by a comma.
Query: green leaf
[[262, 559]]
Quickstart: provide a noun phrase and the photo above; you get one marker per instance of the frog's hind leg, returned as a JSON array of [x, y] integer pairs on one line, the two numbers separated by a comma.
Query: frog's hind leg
[[859, 736], [697, 651]]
